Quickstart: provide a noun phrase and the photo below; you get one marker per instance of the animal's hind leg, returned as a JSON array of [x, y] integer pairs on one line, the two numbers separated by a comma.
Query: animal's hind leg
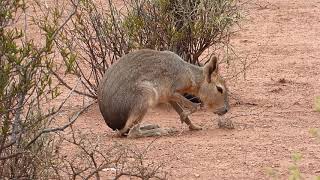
[[134, 120], [133, 127]]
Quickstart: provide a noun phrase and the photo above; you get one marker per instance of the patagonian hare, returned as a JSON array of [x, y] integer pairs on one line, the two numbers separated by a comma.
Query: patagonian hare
[[145, 78]]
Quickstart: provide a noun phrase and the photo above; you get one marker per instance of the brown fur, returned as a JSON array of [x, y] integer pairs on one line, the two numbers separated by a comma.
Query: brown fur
[[145, 78]]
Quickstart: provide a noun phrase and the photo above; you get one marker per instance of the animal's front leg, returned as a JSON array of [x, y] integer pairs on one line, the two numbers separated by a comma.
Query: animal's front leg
[[181, 100], [184, 116]]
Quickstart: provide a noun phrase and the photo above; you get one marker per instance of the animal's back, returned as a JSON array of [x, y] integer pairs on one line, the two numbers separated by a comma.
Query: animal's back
[[119, 90]]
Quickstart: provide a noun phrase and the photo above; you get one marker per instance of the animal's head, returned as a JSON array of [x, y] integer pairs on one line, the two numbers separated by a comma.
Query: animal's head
[[213, 91]]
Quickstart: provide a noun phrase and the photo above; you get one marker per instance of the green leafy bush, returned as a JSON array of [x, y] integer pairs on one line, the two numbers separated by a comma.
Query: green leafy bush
[[25, 85]]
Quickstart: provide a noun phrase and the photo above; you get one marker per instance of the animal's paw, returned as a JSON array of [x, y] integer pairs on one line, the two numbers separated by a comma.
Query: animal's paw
[[195, 128], [170, 130], [225, 123]]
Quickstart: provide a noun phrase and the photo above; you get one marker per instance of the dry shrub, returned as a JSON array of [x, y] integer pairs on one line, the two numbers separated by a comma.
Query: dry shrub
[[99, 34], [83, 155]]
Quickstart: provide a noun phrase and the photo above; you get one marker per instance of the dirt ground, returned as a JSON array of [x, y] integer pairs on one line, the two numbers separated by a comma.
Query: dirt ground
[[273, 108]]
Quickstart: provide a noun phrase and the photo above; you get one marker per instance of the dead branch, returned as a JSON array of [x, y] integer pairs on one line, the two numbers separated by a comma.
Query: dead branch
[[69, 87], [62, 128]]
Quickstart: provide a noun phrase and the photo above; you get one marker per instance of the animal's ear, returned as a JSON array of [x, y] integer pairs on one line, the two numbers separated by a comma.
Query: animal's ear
[[209, 68]]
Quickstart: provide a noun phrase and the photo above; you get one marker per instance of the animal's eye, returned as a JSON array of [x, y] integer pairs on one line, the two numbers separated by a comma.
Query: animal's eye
[[220, 89]]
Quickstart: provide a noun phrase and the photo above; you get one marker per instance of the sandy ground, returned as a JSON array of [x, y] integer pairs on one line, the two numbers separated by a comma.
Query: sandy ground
[[273, 108]]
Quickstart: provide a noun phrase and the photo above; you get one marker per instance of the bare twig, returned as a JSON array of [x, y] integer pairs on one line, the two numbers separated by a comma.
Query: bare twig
[[67, 19], [10, 156], [69, 87], [62, 128]]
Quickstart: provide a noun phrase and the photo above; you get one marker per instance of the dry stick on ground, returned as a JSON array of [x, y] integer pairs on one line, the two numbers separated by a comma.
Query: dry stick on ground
[[87, 153], [90, 155], [244, 70], [245, 67], [141, 167], [118, 155]]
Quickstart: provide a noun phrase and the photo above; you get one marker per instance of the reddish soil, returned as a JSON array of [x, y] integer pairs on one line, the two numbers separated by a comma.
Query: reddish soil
[[273, 107]]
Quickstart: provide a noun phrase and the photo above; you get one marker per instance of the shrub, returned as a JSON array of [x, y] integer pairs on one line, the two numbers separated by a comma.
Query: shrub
[[98, 36], [25, 82]]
